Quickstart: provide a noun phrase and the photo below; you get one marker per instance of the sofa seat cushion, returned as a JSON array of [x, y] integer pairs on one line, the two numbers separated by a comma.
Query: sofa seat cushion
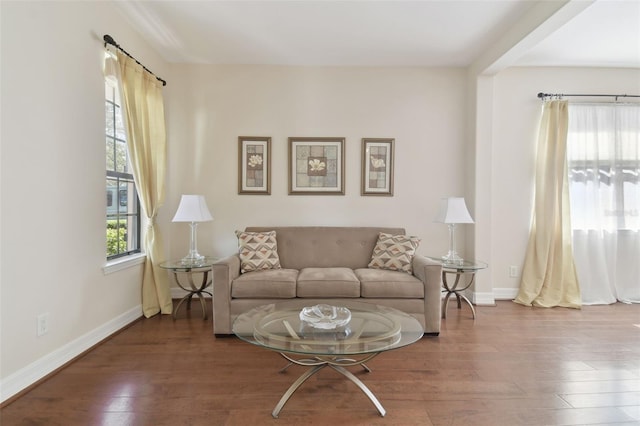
[[268, 283], [389, 284], [328, 282]]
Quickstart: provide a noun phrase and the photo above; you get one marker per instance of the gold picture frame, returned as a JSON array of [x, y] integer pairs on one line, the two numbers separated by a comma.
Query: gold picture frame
[[377, 166], [254, 165], [316, 166]]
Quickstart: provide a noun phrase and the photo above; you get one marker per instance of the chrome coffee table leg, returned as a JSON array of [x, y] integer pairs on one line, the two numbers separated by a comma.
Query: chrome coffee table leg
[[318, 363], [294, 387], [362, 387]]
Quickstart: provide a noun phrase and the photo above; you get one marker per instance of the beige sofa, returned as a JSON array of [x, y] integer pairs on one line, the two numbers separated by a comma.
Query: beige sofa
[[330, 265]]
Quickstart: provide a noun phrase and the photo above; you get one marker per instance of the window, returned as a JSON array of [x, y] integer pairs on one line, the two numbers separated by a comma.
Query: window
[[603, 151], [123, 206]]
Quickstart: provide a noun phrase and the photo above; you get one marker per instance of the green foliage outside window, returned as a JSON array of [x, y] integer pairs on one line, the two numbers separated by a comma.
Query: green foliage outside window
[[116, 237]]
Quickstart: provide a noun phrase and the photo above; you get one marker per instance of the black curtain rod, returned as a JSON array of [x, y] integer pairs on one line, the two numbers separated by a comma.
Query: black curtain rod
[[561, 95], [109, 40]]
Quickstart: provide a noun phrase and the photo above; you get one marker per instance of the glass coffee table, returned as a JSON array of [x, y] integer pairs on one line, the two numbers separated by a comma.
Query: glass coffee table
[[329, 342]]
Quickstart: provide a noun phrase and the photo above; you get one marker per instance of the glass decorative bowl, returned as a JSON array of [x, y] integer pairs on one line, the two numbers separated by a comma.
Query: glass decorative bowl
[[326, 317]]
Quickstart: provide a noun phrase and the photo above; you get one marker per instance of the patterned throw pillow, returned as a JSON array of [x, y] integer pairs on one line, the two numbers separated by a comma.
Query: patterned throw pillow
[[257, 250], [394, 252]]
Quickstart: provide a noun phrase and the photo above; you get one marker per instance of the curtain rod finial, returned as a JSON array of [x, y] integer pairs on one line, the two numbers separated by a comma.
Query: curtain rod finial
[[108, 39]]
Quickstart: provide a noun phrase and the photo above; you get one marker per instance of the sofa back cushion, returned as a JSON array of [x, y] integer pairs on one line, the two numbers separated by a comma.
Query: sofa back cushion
[[325, 246]]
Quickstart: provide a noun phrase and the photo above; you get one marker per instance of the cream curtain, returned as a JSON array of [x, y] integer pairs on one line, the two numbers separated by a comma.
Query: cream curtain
[[549, 276], [143, 111]]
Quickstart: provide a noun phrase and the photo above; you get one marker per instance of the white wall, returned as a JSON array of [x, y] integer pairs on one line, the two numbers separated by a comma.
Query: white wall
[[516, 113], [52, 187], [423, 109]]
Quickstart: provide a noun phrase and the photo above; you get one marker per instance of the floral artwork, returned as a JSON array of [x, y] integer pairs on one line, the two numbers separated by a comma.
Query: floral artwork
[[316, 166], [254, 174], [377, 163], [377, 166], [255, 160]]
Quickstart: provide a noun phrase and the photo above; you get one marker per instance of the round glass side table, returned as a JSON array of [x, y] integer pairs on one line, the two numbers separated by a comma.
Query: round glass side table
[[204, 267], [464, 267]]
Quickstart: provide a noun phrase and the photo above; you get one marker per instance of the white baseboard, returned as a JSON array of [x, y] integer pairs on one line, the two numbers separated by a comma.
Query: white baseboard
[[476, 298], [489, 299], [483, 299], [40, 368], [505, 293]]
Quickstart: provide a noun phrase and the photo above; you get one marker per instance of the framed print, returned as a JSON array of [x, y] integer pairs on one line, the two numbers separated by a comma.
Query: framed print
[[254, 171], [316, 166], [377, 166]]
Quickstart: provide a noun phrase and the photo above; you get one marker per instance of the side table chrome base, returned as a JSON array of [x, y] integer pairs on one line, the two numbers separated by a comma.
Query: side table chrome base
[[318, 364], [456, 291], [459, 297], [193, 290], [188, 298]]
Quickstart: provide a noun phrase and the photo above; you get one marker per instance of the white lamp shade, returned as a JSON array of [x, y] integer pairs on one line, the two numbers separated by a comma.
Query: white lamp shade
[[192, 208], [453, 210]]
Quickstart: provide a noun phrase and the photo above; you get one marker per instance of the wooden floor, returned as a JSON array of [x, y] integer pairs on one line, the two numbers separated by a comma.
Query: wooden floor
[[511, 366]]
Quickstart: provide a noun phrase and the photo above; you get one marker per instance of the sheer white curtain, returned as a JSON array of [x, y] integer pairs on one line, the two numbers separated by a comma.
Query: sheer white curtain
[[603, 153]]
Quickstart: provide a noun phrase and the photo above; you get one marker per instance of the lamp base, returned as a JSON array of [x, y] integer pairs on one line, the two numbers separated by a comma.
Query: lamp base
[[192, 259], [452, 258]]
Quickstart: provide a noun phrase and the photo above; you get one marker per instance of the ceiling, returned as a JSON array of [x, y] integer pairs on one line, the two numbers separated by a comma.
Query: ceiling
[[381, 33]]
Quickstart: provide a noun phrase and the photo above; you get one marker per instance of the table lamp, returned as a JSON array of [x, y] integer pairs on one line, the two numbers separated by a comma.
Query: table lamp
[[453, 210], [193, 209]]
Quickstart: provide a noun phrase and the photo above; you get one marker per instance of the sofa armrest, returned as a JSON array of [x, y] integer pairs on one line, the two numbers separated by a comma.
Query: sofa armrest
[[224, 272], [430, 273]]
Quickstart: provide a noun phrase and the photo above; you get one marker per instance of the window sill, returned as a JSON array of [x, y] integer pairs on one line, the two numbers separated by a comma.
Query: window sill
[[124, 263]]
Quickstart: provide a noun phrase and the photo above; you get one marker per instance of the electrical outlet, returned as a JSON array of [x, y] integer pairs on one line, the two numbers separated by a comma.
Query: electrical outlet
[[42, 324], [513, 271]]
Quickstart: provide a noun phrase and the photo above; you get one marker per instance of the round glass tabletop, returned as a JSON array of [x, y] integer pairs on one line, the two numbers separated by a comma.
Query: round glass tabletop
[[207, 262], [370, 329], [462, 266]]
